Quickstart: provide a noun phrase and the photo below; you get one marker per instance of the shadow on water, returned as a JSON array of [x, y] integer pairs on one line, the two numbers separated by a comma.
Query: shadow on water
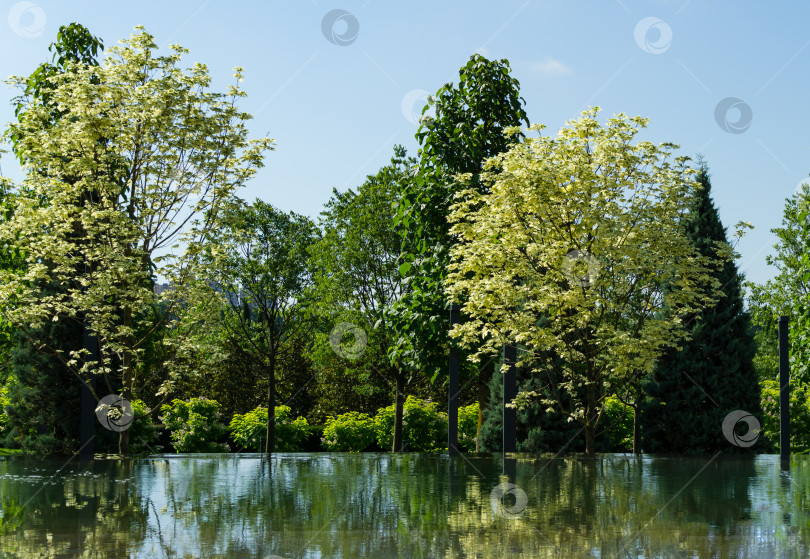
[[379, 505]]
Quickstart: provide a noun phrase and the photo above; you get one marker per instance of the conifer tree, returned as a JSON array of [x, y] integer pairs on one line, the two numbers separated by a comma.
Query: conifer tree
[[693, 389]]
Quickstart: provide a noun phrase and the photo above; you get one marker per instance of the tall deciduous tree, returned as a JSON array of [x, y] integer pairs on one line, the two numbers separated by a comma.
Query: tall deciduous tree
[[359, 272], [695, 386], [788, 293], [44, 399], [260, 262], [570, 230], [468, 128], [152, 154]]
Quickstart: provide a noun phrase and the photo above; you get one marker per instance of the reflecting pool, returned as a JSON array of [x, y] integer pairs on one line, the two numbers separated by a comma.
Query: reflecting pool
[[378, 505]]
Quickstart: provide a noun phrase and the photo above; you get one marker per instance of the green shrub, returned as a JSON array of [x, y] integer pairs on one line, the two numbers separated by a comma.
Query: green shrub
[[249, 428], [799, 415], [194, 425], [3, 403], [467, 427], [617, 420], [424, 427], [348, 432], [143, 432]]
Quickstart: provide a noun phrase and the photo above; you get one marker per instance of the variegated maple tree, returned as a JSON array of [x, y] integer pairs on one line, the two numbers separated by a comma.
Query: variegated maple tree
[[574, 251], [121, 186]]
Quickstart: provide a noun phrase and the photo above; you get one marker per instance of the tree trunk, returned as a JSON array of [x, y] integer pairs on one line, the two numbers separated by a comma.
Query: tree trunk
[[637, 398], [590, 420], [636, 429], [270, 445], [484, 377], [398, 412]]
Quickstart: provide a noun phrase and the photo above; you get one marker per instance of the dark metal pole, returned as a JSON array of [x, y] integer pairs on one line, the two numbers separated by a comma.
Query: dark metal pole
[[784, 390], [509, 393], [452, 390], [87, 421]]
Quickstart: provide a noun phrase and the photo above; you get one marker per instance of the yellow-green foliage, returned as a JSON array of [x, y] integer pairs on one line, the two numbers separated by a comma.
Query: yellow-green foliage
[[799, 415], [467, 427], [143, 432], [348, 432], [194, 425], [3, 404], [424, 427], [152, 154], [575, 248], [249, 428], [618, 421]]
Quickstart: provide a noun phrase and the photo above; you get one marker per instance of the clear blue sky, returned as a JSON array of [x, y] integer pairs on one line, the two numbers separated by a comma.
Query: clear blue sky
[[336, 110]]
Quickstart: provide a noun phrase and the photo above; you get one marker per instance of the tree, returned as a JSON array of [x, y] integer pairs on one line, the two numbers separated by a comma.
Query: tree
[[151, 155], [259, 262], [467, 130], [694, 387], [45, 403], [540, 428], [573, 228], [788, 293], [357, 259]]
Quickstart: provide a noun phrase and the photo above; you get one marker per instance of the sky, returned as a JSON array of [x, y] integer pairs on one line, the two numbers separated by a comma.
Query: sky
[[338, 84]]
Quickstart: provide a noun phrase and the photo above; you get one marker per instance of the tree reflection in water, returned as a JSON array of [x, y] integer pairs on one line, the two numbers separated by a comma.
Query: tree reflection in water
[[379, 505]]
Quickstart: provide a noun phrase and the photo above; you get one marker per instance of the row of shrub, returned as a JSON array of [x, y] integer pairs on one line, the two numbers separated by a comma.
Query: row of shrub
[[424, 429], [196, 425]]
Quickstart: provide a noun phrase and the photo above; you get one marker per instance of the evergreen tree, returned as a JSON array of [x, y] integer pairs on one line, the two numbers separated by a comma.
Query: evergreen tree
[[692, 390], [539, 429], [44, 402]]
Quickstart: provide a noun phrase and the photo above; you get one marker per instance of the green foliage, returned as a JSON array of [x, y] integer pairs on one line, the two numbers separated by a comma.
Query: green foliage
[[194, 425], [467, 427], [766, 339], [4, 401], [249, 428], [349, 432], [11, 515], [799, 416], [552, 206], [787, 293], [694, 387], [141, 158], [74, 44], [44, 401], [259, 260], [540, 428], [143, 432], [468, 128], [617, 419], [424, 427], [358, 281]]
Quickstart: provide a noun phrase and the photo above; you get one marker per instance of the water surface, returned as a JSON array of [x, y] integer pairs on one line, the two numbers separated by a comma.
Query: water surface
[[378, 505]]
